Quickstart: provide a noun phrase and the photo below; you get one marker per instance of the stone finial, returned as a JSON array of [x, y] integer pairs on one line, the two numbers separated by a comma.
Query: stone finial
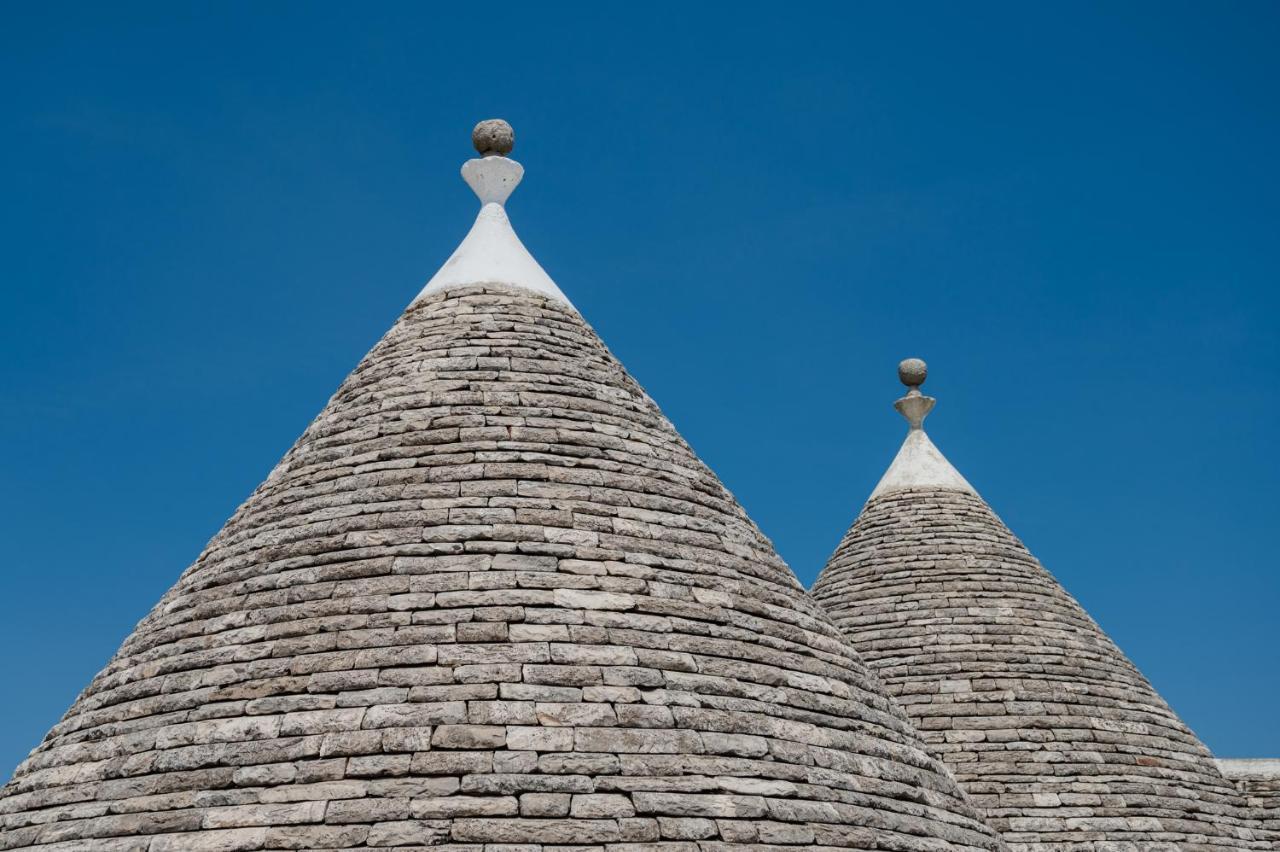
[[493, 176], [493, 137], [915, 406]]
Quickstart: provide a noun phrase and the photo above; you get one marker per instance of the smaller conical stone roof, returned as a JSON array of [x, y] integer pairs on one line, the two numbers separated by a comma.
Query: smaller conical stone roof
[[490, 601], [1056, 736]]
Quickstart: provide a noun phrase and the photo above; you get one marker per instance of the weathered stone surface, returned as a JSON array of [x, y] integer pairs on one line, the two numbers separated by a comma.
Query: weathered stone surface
[[469, 736], [1055, 735], [598, 805], [489, 602], [545, 804]]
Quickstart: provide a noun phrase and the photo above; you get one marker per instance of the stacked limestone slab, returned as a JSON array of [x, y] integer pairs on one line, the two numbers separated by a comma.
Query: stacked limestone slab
[[1259, 782], [490, 600], [1055, 735]]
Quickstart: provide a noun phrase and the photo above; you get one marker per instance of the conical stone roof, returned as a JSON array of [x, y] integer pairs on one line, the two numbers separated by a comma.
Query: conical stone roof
[[1056, 736], [490, 600]]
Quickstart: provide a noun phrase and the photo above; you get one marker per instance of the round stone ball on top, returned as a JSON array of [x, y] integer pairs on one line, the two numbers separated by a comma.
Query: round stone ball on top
[[493, 137], [912, 372]]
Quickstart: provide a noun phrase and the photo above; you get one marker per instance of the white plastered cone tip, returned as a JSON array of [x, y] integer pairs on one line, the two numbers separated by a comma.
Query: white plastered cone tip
[[920, 464], [491, 253]]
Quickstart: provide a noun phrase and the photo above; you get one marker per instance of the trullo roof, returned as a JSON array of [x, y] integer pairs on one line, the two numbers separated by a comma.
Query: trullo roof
[[1056, 736], [490, 600]]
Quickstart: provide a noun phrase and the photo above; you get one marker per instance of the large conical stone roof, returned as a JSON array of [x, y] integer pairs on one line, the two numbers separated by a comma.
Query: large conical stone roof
[[1056, 736], [489, 597]]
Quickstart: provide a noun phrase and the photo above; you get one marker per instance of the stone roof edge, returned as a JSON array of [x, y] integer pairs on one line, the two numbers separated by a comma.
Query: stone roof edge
[[1249, 767]]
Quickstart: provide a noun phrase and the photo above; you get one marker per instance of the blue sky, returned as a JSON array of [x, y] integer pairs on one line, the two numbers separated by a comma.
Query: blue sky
[[210, 212]]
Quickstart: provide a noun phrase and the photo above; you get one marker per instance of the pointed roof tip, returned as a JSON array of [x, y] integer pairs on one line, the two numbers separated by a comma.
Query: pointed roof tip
[[919, 463], [491, 253]]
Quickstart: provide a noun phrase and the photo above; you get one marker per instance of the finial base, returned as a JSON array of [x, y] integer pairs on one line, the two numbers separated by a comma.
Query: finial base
[[492, 179], [915, 406]]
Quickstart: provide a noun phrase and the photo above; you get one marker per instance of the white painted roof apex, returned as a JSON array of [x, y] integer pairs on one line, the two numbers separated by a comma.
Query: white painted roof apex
[[491, 253], [918, 464]]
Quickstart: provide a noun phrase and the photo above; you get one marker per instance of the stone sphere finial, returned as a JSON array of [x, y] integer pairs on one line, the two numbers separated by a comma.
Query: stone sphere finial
[[493, 137], [915, 406], [912, 372]]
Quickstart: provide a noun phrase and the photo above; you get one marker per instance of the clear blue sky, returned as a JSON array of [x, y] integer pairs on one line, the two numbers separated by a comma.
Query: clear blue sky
[[210, 212]]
